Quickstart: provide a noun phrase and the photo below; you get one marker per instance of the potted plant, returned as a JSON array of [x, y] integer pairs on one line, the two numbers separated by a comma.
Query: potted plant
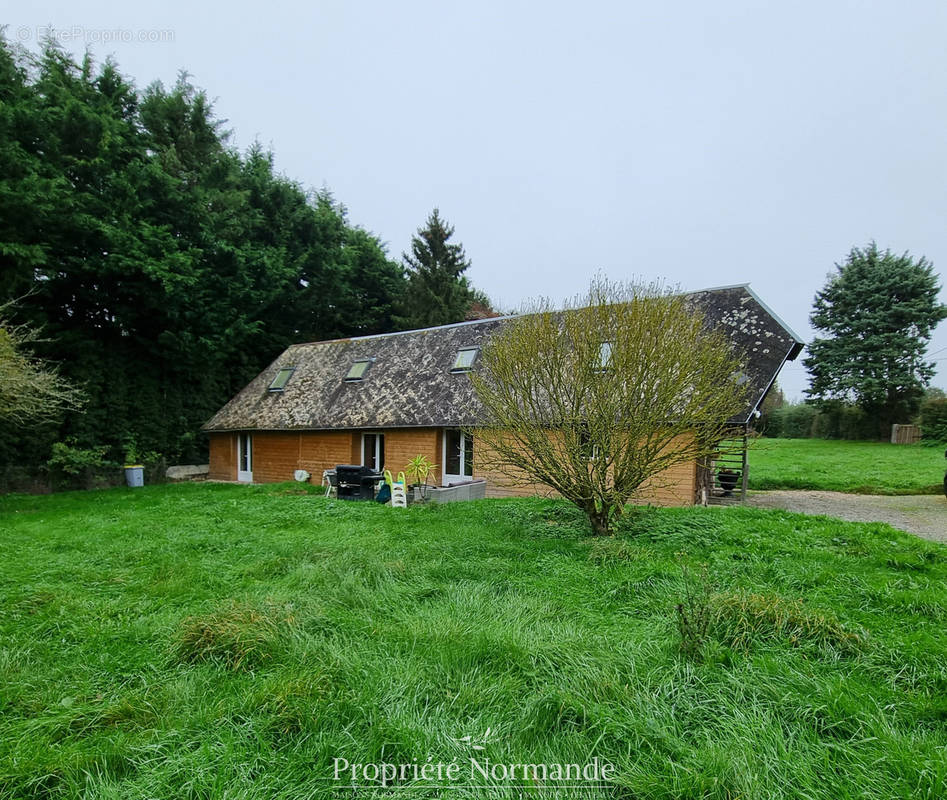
[[728, 479], [418, 469], [134, 469]]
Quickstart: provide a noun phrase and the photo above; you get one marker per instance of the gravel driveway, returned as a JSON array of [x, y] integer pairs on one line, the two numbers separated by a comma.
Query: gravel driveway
[[924, 515]]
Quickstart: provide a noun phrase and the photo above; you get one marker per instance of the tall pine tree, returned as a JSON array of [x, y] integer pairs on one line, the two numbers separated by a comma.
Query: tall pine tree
[[437, 291], [879, 311]]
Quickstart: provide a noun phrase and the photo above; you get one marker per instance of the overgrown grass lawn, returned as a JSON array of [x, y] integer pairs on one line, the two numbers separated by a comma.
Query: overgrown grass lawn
[[219, 641], [842, 466]]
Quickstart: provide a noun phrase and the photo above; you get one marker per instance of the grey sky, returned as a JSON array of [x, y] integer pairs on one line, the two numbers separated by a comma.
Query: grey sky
[[703, 143]]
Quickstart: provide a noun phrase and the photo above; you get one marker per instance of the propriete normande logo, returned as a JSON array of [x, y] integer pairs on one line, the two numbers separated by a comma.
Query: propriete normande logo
[[471, 767]]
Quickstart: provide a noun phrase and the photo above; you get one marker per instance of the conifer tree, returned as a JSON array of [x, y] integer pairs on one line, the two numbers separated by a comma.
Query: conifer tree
[[163, 267], [879, 311], [437, 293]]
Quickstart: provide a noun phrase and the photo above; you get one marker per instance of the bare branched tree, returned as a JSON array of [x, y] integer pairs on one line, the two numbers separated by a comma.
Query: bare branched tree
[[31, 390], [596, 401]]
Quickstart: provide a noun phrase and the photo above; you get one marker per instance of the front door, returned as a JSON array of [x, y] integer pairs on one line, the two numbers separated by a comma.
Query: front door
[[245, 457], [458, 457]]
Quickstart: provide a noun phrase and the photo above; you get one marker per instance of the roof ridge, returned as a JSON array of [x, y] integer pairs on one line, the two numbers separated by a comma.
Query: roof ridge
[[405, 333], [501, 319], [745, 285]]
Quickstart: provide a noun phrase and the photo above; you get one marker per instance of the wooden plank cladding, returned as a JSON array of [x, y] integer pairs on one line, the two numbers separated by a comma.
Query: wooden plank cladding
[[277, 455]]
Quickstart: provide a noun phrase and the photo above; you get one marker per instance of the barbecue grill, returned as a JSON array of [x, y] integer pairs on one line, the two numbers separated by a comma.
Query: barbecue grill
[[356, 482]]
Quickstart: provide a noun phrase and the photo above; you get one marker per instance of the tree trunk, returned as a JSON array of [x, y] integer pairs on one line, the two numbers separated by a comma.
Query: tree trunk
[[600, 519]]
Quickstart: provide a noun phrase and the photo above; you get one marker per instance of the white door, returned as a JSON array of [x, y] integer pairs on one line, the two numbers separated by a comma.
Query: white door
[[458, 457], [245, 457]]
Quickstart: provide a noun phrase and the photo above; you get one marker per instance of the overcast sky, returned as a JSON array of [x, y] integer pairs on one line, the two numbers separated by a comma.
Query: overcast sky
[[703, 143]]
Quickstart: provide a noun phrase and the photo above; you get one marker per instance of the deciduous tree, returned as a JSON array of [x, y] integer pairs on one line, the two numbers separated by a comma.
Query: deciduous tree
[[31, 390], [598, 400]]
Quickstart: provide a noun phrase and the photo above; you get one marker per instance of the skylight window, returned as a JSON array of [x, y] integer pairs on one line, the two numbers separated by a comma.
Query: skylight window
[[605, 355], [465, 359], [358, 369], [281, 379]]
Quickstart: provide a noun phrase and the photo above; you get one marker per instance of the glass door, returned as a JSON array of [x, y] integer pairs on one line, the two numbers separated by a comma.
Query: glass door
[[244, 457], [458, 457], [373, 451]]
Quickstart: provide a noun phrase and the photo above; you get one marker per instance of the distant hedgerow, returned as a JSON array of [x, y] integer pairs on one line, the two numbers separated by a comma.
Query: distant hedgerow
[[933, 420]]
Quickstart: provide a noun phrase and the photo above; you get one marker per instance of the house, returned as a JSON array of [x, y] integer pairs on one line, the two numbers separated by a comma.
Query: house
[[381, 400]]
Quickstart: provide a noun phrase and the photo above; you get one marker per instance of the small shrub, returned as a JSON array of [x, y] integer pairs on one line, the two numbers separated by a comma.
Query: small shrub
[[694, 612], [156, 468], [133, 454], [71, 466], [418, 469], [239, 636], [740, 619], [73, 460]]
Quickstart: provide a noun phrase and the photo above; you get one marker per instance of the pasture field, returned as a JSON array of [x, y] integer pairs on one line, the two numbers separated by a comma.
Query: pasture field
[[224, 641], [843, 466]]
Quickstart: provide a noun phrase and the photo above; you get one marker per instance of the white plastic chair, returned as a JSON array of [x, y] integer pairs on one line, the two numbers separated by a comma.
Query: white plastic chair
[[330, 481]]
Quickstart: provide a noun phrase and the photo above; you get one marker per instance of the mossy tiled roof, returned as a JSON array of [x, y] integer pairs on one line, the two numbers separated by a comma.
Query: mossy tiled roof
[[410, 383]]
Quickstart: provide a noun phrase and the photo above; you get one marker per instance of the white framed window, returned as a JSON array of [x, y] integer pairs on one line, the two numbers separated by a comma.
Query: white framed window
[[373, 451], [358, 369], [464, 360], [604, 356], [458, 456], [282, 378]]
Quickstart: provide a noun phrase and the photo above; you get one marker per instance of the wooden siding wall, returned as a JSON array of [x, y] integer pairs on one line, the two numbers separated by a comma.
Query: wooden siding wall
[[322, 451], [401, 446], [277, 455], [223, 457], [676, 486]]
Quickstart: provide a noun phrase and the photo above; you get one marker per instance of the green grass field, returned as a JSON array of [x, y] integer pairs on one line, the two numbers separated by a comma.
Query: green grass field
[[221, 641], [842, 466]]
